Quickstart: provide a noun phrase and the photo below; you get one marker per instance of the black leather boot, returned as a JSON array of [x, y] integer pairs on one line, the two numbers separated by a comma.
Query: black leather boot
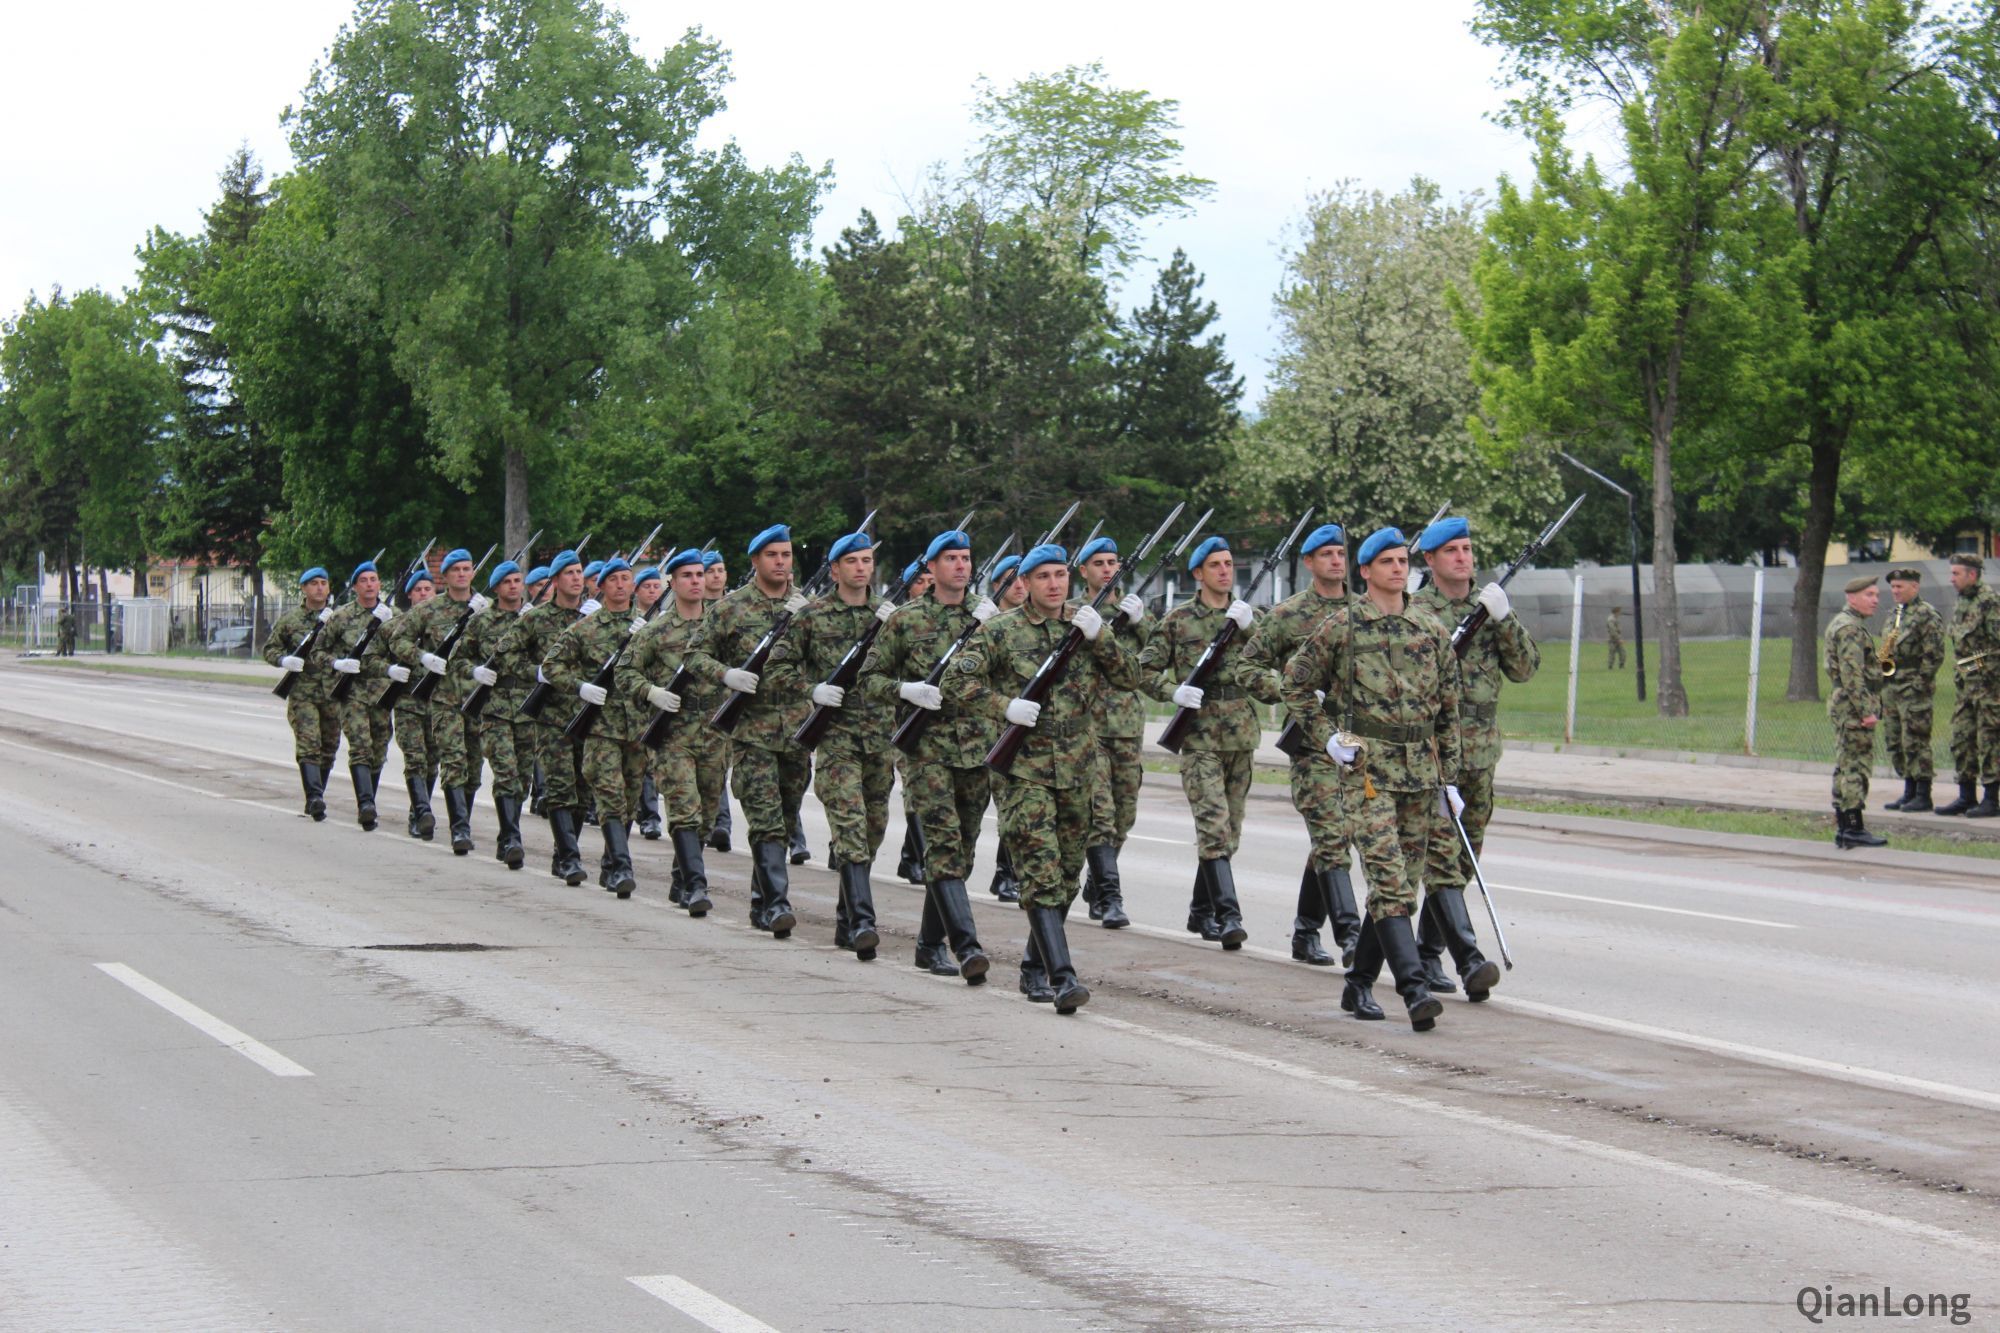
[[1988, 808], [1479, 973], [676, 882], [933, 955], [314, 783], [1909, 791], [1850, 832], [800, 853], [507, 810], [567, 862], [1399, 950], [422, 824], [1968, 797], [590, 810], [1306, 921], [1110, 905], [1222, 900], [458, 809], [537, 804], [619, 851], [1338, 887], [777, 899], [1357, 997], [364, 795], [694, 874], [955, 910], [649, 810], [859, 896], [718, 836], [1430, 950], [1046, 925], [1920, 802], [1201, 914], [1034, 976], [910, 863], [1005, 886], [1089, 893]]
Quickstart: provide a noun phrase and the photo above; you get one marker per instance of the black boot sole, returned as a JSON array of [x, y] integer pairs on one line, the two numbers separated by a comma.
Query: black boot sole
[[514, 858], [1118, 922], [1233, 938], [573, 878], [780, 925], [1479, 983], [623, 888], [1424, 1016], [698, 908], [317, 811], [718, 844], [975, 968], [866, 942], [1352, 1004], [1072, 1000]]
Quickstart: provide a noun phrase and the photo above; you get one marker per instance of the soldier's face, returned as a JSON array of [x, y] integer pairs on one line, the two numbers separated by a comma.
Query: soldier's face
[[773, 564], [510, 591], [1328, 564], [314, 593], [615, 591], [1017, 593], [952, 570], [1453, 561], [1217, 573], [920, 587], [1389, 571], [422, 593], [1963, 577], [569, 582], [855, 570], [649, 593], [1048, 587], [458, 579], [1903, 591], [1101, 568], [715, 580], [1865, 601], [368, 587], [689, 581]]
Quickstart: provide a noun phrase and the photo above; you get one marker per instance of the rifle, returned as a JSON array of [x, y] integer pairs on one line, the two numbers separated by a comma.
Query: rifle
[[639, 552], [655, 734], [911, 729], [1121, 620], [585, 717], [1210, 661], [425, 688], [1001, 757], [1461, 637], [289, 681], [396, 688], [730, 711], [345, 685], [1076, 557], [475, 703]]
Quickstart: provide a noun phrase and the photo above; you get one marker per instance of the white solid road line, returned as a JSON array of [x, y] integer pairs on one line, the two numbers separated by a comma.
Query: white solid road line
[[195, 1016], [1647, 907], [708, 1310], [1627, 1157]]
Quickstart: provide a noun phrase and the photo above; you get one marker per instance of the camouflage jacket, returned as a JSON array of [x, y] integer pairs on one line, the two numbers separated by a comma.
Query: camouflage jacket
[[480, 645], [423, 629], [1405, 691], [578, 653], [1227, 719], [1854, 670], [729, 632], [1119, 712], [1614, 628], [1918, 651], [344, 634], [998, 664], [1260, 668], [910, 644], [315, 683], [1975, 628], [1500, 649], [655, 655], [807, 655], [529, 639]]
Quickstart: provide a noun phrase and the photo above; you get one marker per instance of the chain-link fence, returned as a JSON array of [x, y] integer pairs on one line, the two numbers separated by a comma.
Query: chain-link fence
[[199, 627]]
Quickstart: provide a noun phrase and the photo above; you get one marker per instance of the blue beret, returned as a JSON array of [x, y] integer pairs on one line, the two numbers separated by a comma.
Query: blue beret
[[612, 566], [1207, 549], [563, 560], [453, 557], [954, 540], [316, 572], [539, 574], [1048, 553], [501, 571], [848, 545], [649, 572], [1326, 534], [421, 576], [595, 569], [777, 532], [365, 567], [1379, 541], [1004, 568], [1442, 531], [1098, 546], [710, 559], [682, 559], [912, 572]]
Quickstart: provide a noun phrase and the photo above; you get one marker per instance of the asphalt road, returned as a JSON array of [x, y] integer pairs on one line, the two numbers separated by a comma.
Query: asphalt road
[[232, 1094]]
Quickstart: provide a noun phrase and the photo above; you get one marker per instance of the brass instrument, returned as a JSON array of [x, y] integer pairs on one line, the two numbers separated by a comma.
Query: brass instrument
[[1885, 655], [1968, 661]]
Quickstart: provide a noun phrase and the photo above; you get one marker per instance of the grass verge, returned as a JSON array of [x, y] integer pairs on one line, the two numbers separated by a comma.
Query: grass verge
[[164, 673], [1762, 823]]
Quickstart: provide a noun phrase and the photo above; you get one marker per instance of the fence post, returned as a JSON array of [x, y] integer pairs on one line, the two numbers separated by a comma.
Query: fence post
[[1756, 658], [1575, 656]]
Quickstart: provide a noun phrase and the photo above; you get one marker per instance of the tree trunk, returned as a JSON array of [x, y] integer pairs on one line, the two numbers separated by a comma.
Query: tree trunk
[[1666, 598], [515, 526], [1821, 492]]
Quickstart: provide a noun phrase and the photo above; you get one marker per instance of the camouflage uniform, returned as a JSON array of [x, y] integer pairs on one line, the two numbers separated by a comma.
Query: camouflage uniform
[[655, 655], [454, 739], [1908, 696], [507, 739], [1216, 760], [854, 765], [1975, 714], [368, 726], [614, 762], [310, 709], [771, 773], [526, 645], [1856, 676], [1614, 641], [1119, 719]]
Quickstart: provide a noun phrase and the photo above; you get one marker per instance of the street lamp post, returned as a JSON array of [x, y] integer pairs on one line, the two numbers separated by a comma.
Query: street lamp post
[[1632, 536]]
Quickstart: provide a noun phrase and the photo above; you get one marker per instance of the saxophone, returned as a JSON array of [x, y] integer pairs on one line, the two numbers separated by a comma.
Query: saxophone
[[1885, 655]]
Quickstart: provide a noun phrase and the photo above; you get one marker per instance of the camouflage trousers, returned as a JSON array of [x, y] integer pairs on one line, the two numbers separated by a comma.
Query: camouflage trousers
[[1445, 865], [315, 729], [711, 750], [455, 737], [562, 763], [509, 743], [413, 738], [1216, 782], [1316, 796], [1975, 731], [1906, 732], [614, 770], [368, 730], [1392, 831], [950, 804], [1853, 758], [854, 787], [1046, 830], [677, 776], [769, 784], [1114, 802], [1614, 655]]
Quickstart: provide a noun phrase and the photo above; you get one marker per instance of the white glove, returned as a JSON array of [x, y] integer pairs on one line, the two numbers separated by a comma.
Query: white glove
[[541, 677], [1132, 607], [663, 699], [922, 694], [984, 610], [290, 663], [325, 614], [1494, 598], [434, 664], [885, 610], [829, 696], [347, 666], [478, 603], [590, 604], [1189, 696], [382, 612], [796, 603], [1240, 612], [743, 682], [592, 693], [1087, 621], [399, 673], [1340, 754], [1023, 712], [486, 675], [1450, 803]]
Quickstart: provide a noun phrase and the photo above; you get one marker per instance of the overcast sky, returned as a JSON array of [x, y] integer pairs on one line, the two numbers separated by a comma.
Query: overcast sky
[[119, 116]]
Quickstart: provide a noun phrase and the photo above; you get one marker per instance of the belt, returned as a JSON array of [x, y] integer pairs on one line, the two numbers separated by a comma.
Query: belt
[[1392, 732], [1222, 694], [1471, 712]]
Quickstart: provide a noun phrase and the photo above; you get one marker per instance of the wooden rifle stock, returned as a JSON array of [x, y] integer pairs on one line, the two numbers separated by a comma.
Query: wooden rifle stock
[[345, 685], [283, 689], [1047, 676], [425, 688], [1175, 735], [813, 730], [730, 711], [586, 717]]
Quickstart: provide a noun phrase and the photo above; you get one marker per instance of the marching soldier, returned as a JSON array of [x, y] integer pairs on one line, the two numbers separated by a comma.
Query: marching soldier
[[910, 859], [614, 762], [414, 639], [853, 770], [712, 751], [1855, 707], [770, 772], [411, 719], [309, 708], [1006, 885], [1315, 778], [1914, 645], [1216, 761], [591, 573], [1045, 802], [537, 580], [506, 738], [1385, 672], [369, 727], [526, 645], [946, 777], [1501, 648], [1119, 720], [647, 591], [1614, 639], [655, 656], [1975, 714]]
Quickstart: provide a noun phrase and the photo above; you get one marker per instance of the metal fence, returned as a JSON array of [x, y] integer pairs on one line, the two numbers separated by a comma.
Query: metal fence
[[201, 627]]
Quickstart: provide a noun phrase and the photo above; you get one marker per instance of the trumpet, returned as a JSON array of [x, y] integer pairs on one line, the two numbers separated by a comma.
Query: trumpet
[[1968, 661], [1885, 655]]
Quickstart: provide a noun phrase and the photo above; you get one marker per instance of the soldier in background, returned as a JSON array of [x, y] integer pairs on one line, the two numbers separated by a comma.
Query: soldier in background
[[506, 738], [1855, 707], [1975, 714], [414, 639], [712, 750], [910, 859], [649, 667], [369, 727], [528, 642], [65, 632], [1119, 719], [1006, 885], [648, 588], [614, 762], [309, 708], [412, 722], [1614, 639], [1914, 640]]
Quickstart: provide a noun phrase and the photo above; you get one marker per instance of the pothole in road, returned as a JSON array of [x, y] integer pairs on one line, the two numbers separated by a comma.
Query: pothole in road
[[439, 947]]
